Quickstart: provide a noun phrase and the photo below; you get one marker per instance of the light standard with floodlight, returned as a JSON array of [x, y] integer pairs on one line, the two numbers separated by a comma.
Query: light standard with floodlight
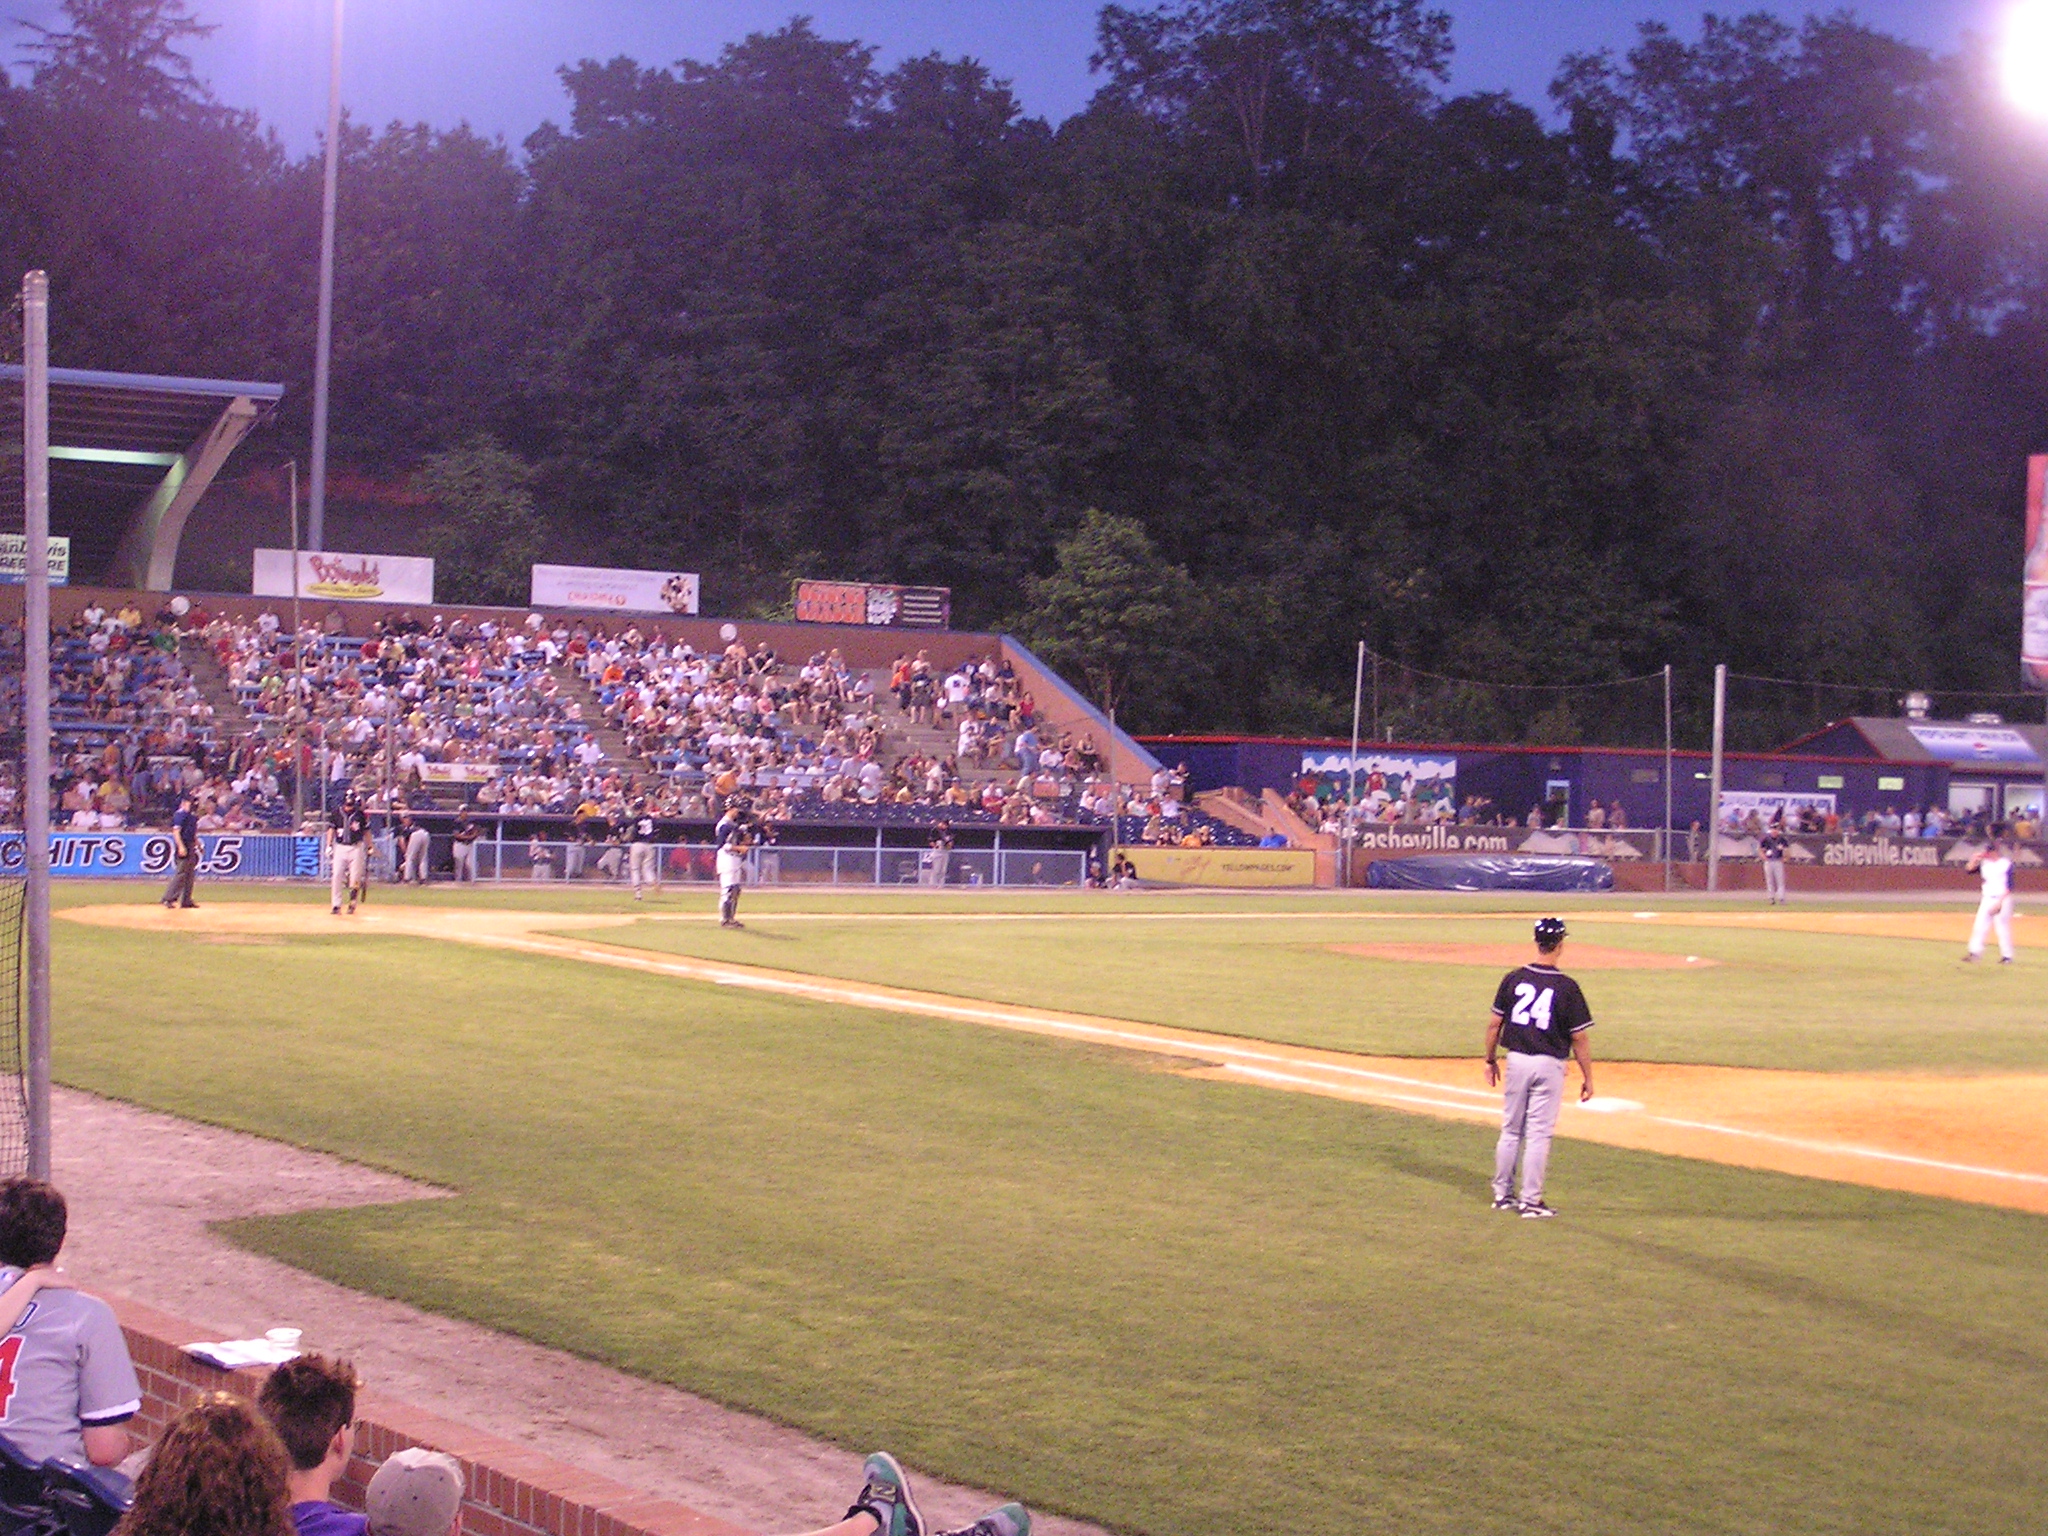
[[323, 345], [2023, 74]]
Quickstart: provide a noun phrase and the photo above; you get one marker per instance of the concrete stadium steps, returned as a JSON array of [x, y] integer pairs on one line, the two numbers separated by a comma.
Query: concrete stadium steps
[[1234, 808], [211, 678], [606, 735]]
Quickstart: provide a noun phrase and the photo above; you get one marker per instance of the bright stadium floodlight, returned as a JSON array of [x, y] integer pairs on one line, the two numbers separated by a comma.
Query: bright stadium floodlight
[[2023, 57]]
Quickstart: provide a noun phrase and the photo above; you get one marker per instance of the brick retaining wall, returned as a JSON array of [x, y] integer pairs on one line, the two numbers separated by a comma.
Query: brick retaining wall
[[509, 1490]]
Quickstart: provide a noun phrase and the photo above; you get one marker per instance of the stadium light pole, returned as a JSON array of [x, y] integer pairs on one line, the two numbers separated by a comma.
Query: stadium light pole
[[35, 700], [323, 343]]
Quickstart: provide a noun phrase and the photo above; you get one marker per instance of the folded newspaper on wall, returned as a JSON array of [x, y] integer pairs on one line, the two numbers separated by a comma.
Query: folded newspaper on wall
[[234, 1354]]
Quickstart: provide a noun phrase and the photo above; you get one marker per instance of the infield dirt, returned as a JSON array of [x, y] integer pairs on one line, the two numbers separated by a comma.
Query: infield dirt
[[1977, 1138]]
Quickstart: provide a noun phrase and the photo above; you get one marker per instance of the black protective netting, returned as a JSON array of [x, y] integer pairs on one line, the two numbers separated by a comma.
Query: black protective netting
[[13, 1051]]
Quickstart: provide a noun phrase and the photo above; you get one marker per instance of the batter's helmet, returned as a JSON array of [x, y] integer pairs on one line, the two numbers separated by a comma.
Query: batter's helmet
[[1549, 932]]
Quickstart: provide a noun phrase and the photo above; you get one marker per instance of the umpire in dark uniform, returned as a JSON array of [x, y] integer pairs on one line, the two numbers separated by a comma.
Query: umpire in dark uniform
[[184, 855], [1541, 1016]]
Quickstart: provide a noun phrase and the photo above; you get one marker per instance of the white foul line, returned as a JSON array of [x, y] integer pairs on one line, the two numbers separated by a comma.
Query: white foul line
[[721, 975], [1842, 1149]]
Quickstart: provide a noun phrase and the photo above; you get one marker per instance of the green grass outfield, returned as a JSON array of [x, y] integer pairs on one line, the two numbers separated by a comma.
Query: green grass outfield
[[1171, 1305]]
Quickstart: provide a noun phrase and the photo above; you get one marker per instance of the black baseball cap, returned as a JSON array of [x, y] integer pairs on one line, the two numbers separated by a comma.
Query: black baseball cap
[[1550, 932]]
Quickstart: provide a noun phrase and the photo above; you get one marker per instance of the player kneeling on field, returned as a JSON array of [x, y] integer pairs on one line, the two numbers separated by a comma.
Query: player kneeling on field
[[1541, 1016]]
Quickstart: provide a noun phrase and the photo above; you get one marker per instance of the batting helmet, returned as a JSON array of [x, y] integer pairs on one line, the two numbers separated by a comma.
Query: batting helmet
[[1549, 932]]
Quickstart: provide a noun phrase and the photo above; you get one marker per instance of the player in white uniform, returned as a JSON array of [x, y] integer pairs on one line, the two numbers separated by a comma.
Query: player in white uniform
[[1994, 908]]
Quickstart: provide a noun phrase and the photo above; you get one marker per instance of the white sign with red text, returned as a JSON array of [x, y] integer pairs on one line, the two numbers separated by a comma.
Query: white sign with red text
[[345, 577], [612, 590]]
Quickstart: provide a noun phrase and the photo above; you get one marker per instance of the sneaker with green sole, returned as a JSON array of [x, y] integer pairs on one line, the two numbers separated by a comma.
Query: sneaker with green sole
[[887, 1497]]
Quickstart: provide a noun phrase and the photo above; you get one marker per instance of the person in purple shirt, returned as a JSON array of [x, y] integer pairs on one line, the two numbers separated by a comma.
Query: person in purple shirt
[[311, 1401]]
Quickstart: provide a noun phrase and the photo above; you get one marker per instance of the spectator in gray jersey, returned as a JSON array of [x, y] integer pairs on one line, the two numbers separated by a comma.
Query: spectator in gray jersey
[[65, 1376]]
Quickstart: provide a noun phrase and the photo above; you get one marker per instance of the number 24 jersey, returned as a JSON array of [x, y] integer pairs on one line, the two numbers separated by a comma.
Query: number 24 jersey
[[1540, 1010]]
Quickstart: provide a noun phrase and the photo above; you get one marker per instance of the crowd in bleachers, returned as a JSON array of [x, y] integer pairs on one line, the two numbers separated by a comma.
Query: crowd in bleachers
[[507, 717], [131, 731]]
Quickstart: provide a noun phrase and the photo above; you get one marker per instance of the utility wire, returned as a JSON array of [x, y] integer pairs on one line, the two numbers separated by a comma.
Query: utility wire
[[1469, 682]]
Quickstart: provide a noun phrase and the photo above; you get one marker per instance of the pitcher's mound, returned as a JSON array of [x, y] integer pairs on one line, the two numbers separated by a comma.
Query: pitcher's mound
[[1577, 957]]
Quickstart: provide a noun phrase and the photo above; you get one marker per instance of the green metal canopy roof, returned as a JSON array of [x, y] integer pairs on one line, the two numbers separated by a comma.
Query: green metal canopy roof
[[130, 456]]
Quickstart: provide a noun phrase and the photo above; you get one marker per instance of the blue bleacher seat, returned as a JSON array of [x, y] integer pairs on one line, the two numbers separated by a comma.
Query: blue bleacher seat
[[90, 1500]]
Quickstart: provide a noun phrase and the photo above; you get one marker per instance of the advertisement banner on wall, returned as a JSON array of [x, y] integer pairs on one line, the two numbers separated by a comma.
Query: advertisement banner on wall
[[1241, 867], [148, 855], [1383, 778], [1737, 804], [345, 578], [1975, 743], [457, 773], [862, 602], [2034, 599], [618, 591], [14, 559]]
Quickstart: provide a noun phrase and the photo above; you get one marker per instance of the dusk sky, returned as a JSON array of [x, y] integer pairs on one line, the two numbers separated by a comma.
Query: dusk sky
[[493, 63]]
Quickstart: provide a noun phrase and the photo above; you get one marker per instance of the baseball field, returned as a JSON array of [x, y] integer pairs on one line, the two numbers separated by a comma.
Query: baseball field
[[1171, 1212]]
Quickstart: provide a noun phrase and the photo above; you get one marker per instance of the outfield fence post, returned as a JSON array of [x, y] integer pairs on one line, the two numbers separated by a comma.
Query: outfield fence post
[[878, 855], [35, 699]]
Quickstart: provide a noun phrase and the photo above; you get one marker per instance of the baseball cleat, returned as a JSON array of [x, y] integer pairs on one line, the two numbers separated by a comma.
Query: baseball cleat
[[887, 1497], [1969, 959], [1506, 1203], [1006, 1520], [1535, 1210], [335, 910], [2005, 959]]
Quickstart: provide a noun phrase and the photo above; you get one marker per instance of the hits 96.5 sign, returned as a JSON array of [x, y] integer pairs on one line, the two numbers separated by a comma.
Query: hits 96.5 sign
[[111, 855]]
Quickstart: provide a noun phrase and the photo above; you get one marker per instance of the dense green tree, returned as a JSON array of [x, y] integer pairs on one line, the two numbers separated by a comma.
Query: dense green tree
[[485, 533], [1738, 360], [1113, 614]]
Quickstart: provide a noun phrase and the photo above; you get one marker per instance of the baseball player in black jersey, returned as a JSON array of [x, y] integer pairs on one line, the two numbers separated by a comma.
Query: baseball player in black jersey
[[348, 841], [1772, 846], [641, 857], [1541, 1017]]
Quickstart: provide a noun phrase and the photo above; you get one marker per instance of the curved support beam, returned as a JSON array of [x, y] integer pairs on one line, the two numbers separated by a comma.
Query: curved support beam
[[147, 556]]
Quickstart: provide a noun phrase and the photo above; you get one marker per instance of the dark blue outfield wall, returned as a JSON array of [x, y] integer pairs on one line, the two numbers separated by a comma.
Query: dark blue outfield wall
[[1514, 777]]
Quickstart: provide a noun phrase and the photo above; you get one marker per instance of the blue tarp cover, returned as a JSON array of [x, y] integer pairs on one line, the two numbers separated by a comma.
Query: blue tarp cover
[[1490, 872]]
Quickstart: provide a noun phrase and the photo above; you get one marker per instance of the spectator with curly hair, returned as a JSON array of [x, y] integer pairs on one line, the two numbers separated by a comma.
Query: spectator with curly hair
[[219, 1469]]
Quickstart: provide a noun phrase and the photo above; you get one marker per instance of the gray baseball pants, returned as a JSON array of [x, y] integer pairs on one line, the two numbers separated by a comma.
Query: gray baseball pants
[[416, 846], [1774, 879], [1534, 1092]]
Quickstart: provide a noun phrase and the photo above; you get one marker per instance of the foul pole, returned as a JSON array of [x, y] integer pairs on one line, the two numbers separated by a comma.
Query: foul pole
[[1667, 775], [35, 694], [1351, 789], [1714, 778]]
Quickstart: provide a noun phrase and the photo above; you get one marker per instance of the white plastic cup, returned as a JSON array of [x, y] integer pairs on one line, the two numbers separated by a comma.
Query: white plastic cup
[[285, 1338]]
